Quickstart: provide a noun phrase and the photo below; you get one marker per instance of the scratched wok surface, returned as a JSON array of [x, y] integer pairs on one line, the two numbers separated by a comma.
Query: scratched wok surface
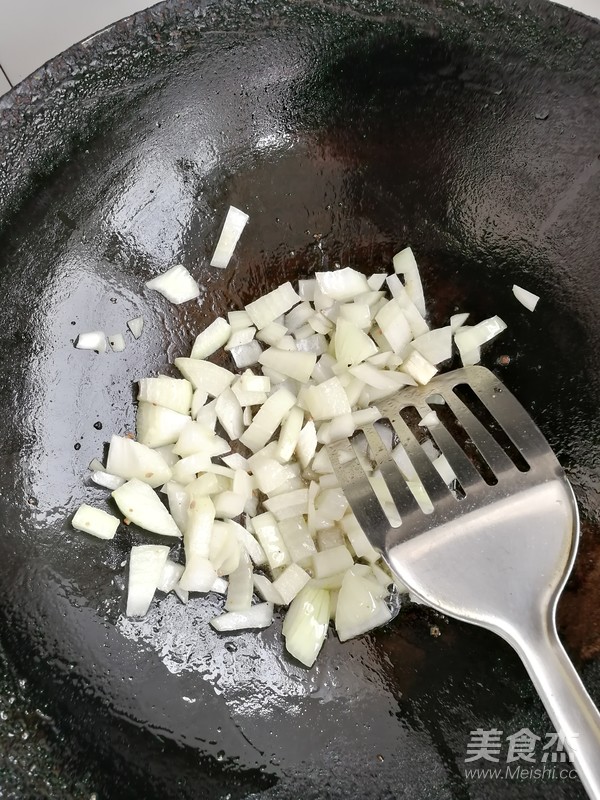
[[346, 130]]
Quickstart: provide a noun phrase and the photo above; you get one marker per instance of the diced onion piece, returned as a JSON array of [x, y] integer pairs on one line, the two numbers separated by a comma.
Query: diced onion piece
[[246, 354], [205, 375], [268, 419], [381, 378], [258, 616], [140, 505], [297, 539], [219, 586], [229, 414], [199, 399], [185, 470], [249, 543], [176, 284], [235, 461], [327, 400], [272, 333], [435, 345], [229, 504], [288, 504], [199, 527], [307, 444], [146, 564], [178, 500], [458, 320], [342, 284], [296, 365], [359, 608], [129, 459], [445, 470], [105, 479], [240, 337], [199, 574], [211, 338], [173, 393], [136, 326], [95, 521], [116, 342], [235, 222], [415, 319], [269, 536], [290, 433], [225, 548], [394, 326], [94, 340], [430, 420], [418, 368], [352, 345], [170, 576], [306, 623], [331, 561], [405, 264], [468, 339], [358, 539], [241, 586], [290, 582], [272, 305], [157, 426], [306, 289], [265, 589], [528, 299]]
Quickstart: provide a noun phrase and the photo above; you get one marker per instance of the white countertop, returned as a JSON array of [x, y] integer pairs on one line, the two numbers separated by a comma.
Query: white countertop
[[33, 31]]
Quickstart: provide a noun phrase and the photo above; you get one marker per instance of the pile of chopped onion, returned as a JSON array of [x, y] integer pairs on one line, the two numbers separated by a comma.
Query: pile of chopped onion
[[233, 461]]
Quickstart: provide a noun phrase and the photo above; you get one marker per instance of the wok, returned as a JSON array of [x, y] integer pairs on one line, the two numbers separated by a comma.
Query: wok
[[470, 130]]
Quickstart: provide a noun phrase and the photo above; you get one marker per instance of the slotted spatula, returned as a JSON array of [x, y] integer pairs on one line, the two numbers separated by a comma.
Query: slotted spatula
[[497, 548]]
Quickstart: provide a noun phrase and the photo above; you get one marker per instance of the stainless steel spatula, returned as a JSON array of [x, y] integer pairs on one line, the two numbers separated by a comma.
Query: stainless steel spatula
[[493, 547]]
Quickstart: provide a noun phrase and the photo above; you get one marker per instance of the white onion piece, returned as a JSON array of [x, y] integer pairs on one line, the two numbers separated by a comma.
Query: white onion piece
[[240, 337], [458, 320], [199, 399], [211, 338], [306, 289], [258, 616], [298, 316], [528, 299], [199, 574], [140, 505], [272, 305], [415, 319], [430, 420], [394, 326], [225, 549], [173, 393], [418, 368], [288, 504], [178, 500], [235, 461], [205, 375], [376, 281], [445, 470], [342, 284], [272, 333], [246, 355], [296, 365], [265, 589], [359, 609], [298, 540], [219, 586], [306, 623], [435, 345], [129, 459], [228, 504], [352, 345], [95, 521], [185, 470], [290, 433], [170, 576], [268, 534], [94, 340], [268, 419], [328, 538], [358, 539], [468, 339], [290, 582], [234, 224], [136, 326], [116, 342], [327, 400], [249, 543], [146, 563], [157, 426], [229, 413], [176, 284], [405, 264], [241, 586], [238, 319], [331, 561], [105, 479], [381, 378]]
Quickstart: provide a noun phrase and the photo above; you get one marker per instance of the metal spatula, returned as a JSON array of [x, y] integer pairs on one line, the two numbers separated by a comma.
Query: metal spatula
[[498, 542]]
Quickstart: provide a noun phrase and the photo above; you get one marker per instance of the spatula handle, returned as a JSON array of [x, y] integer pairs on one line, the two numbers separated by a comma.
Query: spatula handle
[[567, 702]]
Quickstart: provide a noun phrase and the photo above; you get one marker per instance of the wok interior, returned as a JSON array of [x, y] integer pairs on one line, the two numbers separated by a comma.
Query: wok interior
[[344, 140]]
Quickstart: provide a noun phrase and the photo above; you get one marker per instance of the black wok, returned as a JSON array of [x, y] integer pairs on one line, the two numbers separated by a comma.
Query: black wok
[[470, 130]]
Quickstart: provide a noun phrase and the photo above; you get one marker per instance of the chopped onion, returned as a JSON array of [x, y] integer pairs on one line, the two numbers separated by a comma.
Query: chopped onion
[[234, 224], [360, 607], [141, 505], [129, 459], [94, 340], [296, 365], [328, 562], [457, 321], [528, 299], [342, 284], [272, 305], [269, 536], [205, 375], [268, 419], [146, 564], [246, 354], [436, 345], [211, 338], [241, 586], [469, 339], [95, 521], [394, 326], [176, 284], [157, 426], [290, 582], [105, 479], [305, 624], [116, 342], [405, 264], [173, 393], [418, 368], [327, 400], [136, 326], [258, 616]]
